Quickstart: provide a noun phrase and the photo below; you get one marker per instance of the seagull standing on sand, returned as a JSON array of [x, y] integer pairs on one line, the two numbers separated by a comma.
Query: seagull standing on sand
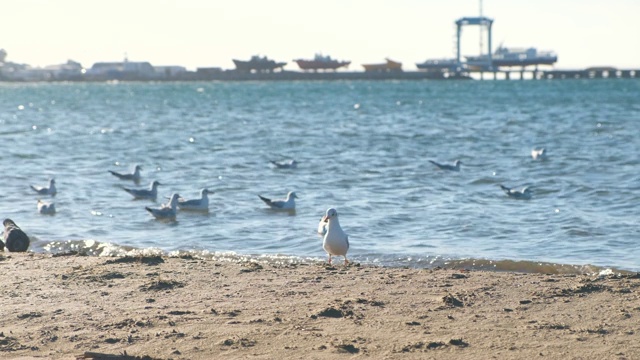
[[46, 190], [135, 175], [454, 167], [201, 204], [539, 154], [16, 240], [151, 193], [288, 204], [47, 208], [524, 194], [335, 242], [288, 164], [166, 211]]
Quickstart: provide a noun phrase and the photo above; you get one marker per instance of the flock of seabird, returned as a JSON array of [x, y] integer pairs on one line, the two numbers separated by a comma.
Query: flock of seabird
[[334, 240]]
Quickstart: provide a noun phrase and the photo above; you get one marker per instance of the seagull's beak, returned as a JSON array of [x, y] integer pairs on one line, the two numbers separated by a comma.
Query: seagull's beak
[[325, 218]]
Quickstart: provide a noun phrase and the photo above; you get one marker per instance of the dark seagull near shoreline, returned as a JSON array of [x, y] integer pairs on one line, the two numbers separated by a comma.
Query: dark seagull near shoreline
[[135, 175], [454, 167], [287, 204], [524, 194], [151, 193], [16, 240]]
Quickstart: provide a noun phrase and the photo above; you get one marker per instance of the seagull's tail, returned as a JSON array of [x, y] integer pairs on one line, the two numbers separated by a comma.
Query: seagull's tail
[[435, 163], [504, 188], [150, 210], [266, 201]]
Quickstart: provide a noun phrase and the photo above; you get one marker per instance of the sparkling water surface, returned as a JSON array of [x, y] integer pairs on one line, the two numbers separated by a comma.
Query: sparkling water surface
[[363, 147]]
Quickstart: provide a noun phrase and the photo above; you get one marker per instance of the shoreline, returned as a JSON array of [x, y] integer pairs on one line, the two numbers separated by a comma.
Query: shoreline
[[66, 306], [98, 249]]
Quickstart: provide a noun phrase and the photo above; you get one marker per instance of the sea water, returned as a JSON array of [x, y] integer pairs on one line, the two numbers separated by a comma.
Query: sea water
[[362, 147]]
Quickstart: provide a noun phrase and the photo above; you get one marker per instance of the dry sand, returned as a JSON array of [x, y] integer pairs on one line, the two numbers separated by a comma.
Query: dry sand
[[76, 307]]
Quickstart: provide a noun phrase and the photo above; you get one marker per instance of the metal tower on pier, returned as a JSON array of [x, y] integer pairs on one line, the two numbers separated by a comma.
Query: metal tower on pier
[[484, 23]]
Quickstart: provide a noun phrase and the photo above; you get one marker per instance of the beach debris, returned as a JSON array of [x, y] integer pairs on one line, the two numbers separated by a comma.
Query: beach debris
[[452, 301], [458, 342], [331, 312], [347, 348], [236, 342], [161, 285], [143, 259], [104, 356]]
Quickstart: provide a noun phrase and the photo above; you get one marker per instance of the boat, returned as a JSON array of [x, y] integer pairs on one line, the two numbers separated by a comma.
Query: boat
[[514, 57], [439, 65], [388, 66], [321, 62], [258, 64]]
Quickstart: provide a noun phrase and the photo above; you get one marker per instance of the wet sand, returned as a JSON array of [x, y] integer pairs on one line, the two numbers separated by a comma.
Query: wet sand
[[75, 307]]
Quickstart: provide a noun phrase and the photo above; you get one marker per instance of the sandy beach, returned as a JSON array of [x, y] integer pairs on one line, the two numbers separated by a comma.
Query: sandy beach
[[79, 307]]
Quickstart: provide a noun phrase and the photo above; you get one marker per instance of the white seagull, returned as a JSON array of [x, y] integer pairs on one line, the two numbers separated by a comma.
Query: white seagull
[[166, 211], [150, 193], [288, 204], [539, 154], [135, 175], [287, 164], [322, 226], [46, 190], [454, 167], [201, 204], [47, 208], [335, 241], [524, 194]]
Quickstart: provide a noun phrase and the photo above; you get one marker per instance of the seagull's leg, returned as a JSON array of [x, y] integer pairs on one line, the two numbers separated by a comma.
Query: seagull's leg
[[329, 259], [346, 262]]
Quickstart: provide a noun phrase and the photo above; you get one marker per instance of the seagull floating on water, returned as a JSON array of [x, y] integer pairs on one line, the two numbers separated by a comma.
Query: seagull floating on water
[[16, 240], [287, 164], [150, 193], [539, 154], [47, 208], [454, 167], [524, 194], [166, 211], [201, 204], [46, 190], [335, 241], [135, 175], [287, 204]]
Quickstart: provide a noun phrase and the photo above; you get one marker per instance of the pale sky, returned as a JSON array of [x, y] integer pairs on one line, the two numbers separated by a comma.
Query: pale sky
[[210, 33]]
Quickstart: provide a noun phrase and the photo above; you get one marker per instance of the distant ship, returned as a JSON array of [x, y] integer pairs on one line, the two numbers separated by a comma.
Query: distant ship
[[389, 66], [259, 64], [321, 62], [438, 64], [514, 57]]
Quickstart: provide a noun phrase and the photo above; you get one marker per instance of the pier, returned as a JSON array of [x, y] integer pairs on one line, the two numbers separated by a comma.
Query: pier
[[557, 74]]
